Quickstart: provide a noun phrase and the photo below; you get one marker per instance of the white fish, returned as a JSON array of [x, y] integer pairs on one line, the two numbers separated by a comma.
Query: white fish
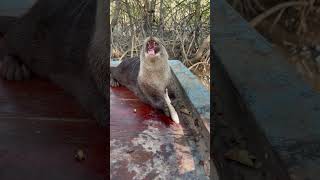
[[173, 112]]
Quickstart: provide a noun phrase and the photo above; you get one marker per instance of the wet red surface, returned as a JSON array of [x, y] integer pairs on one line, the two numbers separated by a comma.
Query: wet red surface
[[127, 114], [145, 144], [128, 118], [41, 128]]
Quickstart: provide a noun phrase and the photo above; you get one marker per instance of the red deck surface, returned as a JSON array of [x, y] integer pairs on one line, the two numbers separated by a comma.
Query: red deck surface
[[145, 144], [41, 129]]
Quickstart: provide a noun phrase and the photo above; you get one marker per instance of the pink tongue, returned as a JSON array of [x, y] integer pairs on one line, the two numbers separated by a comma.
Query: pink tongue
[[151, 52]]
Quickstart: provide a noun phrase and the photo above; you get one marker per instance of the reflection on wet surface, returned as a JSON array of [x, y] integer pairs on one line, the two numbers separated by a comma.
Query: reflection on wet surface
[[145, 144]]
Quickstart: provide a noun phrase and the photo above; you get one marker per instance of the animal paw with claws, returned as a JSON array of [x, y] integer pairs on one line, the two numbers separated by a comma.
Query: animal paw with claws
[[12, 69]]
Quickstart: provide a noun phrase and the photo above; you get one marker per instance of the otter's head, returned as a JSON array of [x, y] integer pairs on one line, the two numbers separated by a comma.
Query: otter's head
[[153, 51]]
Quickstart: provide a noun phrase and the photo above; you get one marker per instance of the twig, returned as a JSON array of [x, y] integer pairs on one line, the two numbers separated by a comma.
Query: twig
[[205, 44], [193, 36], [259, 5], [124, 54], [197, 64], [277, 19], [254, 22], [132, 45], [185, 57]]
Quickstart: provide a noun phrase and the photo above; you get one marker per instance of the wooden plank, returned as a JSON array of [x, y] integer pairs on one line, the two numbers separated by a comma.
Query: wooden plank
[[41, 128], [37, 98]]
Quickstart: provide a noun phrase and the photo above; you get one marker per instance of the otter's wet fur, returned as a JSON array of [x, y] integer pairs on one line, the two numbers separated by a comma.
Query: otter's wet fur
[[66, 41], [147, 76]]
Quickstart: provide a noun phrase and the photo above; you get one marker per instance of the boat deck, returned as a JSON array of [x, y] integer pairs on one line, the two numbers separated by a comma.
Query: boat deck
[[145, 144], [41, 129]]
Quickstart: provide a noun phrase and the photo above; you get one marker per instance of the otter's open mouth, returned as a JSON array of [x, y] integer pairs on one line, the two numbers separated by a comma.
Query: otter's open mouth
[[152, 47]]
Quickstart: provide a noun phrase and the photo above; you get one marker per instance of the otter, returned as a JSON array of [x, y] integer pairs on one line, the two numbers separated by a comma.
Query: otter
[[148, 76], [67, 42]]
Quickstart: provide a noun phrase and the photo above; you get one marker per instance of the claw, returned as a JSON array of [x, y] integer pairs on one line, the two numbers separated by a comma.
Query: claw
[[11, 69], [114, 83]]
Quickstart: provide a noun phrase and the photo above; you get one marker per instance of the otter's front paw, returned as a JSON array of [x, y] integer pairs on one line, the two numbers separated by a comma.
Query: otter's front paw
[[11, 69], [114, 83]]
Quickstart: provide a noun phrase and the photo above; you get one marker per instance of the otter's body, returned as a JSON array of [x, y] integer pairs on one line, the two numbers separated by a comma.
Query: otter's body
[[147, 76], [65, 41]]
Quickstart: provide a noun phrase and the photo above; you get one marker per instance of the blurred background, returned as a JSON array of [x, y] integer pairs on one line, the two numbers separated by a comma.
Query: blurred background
[[293, 27]]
